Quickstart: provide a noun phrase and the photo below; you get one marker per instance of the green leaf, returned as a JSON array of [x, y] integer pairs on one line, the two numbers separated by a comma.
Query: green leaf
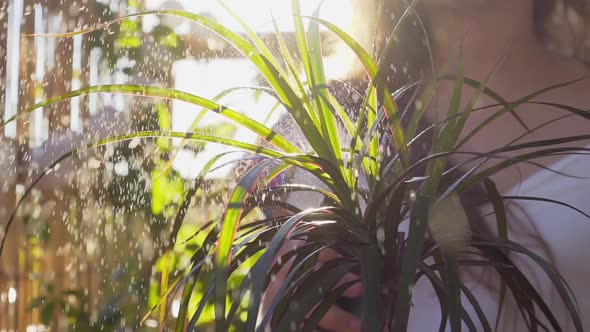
[[129, 35], [445, 139], [229, 226], [370, 276], [476, 306], [512, 106], [421, 106], [454, 292], [194, 125], [313, 292], [460, 123], [467, 183], [524, 293], [311, 323], [319, 88], [418, 225], [442, 295], [302, 268], [260, 269], [192, 280], [498, 205], [500, 216], [260, 45], [378, 82], [165, 93], [47, 312], [166, 190]]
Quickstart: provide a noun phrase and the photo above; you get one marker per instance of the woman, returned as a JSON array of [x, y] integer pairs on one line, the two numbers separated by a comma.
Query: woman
[[509, 35]]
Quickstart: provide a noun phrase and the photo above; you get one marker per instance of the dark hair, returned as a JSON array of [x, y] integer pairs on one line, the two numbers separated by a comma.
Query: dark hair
[[544, 9]]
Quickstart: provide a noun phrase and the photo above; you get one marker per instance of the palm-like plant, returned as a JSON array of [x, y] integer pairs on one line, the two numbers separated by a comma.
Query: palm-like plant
[[370, 184]]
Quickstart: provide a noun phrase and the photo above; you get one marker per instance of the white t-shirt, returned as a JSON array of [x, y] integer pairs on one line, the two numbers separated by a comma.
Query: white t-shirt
[[564, 231], [557, 233]]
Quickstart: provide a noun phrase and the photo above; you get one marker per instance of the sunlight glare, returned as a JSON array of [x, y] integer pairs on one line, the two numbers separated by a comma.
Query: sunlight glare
[[259, 13], [208, 78]]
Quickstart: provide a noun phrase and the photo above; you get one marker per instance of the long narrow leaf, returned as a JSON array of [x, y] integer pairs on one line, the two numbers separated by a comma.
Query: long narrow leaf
[[379, 83], [418, 224], [165, 93]]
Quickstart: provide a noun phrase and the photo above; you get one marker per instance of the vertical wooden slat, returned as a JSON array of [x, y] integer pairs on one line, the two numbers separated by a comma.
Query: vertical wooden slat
[[6, 198], [21, 285], [84, 82], [46, 262], [60, 76], [3, 53], [35, 284], [27, 69], [58, 81], [8, 261], [26, 100], [2, 305]]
